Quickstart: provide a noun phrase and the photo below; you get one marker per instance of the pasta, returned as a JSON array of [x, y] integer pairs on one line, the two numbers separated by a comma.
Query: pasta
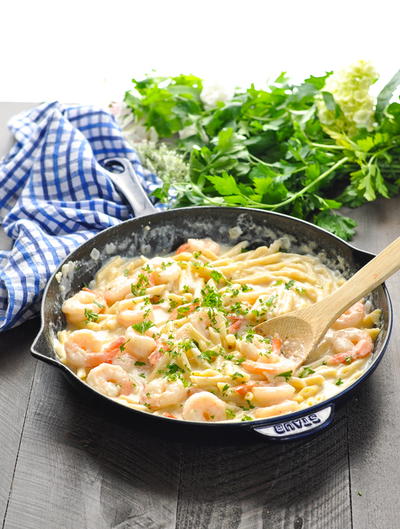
[[174, 336]]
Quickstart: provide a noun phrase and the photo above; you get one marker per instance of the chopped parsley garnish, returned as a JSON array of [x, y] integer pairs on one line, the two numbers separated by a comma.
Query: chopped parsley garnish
[[186, 288], [183, 311], [339, 382], [139, 288], [90, 315], [245, 288], [300, 291], [172, 305], [306, 371], [239, 361], [187, 345], [138, 363], [211, 298], [230, 414], [247, 418], [143, 326], [225, 388], [289, 284], [126, 272], [173, 372], [99, 305], [217, 276], [142, 375], [277, 283], [287, 375], [348, 360], [249, 336], [209, 355], [122, 346], [239, 309], [237, 375], [196, 254]]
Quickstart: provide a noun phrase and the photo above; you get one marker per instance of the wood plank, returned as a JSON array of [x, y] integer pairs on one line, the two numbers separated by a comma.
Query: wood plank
[[374, 428], [263, 485], [16, 375], [81, 466]]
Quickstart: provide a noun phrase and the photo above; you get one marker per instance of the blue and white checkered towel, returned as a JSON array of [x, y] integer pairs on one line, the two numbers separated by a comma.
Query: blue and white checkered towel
[[54, 195]]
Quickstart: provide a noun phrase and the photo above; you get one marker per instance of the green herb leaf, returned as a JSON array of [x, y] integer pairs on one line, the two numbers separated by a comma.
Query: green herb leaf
[[90, 315], [386, 94], [305, 372], [338, 224], [286, 375], [143, 326]]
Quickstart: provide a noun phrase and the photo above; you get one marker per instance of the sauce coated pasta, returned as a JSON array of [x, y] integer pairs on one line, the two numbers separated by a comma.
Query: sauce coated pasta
[[174, 336]]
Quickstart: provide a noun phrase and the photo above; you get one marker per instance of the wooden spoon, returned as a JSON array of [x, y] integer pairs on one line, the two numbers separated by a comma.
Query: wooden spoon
[[302, 330]]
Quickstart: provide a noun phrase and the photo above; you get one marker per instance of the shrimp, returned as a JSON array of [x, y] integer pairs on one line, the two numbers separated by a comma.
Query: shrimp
[[193, 245], [166, 271], [268, 368], [84, 349], [128, 314], [118, 290], [237, 323], [85, 300], [350, 344], [352, 317], [139, 345], [268, 395], [110, 380], [286, 406], [204, 406], [161, 393]]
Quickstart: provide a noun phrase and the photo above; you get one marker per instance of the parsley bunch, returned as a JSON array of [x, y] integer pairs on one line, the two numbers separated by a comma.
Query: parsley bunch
[[287, 148]]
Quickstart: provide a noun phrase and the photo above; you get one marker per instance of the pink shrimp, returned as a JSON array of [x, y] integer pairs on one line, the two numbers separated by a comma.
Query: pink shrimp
[[352, 317], [110, 380], [193, 245], [77, 306], [269, 368], [155, 356], [84, 349], [237, 323], [351, 344]]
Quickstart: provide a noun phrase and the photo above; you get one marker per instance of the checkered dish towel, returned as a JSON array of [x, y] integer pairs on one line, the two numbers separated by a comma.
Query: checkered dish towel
[[54, 195]]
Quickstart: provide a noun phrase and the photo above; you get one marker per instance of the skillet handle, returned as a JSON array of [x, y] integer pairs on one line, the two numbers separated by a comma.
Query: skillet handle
[[302, 426], [40, 344], [125, 179]]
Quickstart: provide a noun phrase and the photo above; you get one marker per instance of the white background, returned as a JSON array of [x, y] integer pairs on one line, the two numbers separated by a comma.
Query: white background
[[87, 51]]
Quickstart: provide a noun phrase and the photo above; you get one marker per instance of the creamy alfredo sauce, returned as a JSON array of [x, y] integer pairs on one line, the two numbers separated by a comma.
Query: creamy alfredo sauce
[[173, 335]]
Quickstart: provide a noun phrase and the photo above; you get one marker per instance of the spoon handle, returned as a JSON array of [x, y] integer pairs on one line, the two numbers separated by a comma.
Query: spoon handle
[[361, 283]]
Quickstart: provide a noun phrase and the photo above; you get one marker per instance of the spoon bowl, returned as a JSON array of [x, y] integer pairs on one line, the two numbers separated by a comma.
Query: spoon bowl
[[294, 331]]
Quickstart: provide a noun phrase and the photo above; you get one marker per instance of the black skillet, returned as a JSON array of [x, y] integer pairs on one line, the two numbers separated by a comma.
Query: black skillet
[[154, 233]]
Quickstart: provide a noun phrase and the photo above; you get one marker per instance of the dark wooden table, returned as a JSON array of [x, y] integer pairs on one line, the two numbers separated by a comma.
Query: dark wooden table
[[67, 463]]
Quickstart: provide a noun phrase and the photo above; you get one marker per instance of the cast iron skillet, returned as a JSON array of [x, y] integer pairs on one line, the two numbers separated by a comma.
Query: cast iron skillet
[[158, 233]]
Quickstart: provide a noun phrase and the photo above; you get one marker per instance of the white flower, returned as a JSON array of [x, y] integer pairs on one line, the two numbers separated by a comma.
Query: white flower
[[133, 129], [213, 94], [350, 88]]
